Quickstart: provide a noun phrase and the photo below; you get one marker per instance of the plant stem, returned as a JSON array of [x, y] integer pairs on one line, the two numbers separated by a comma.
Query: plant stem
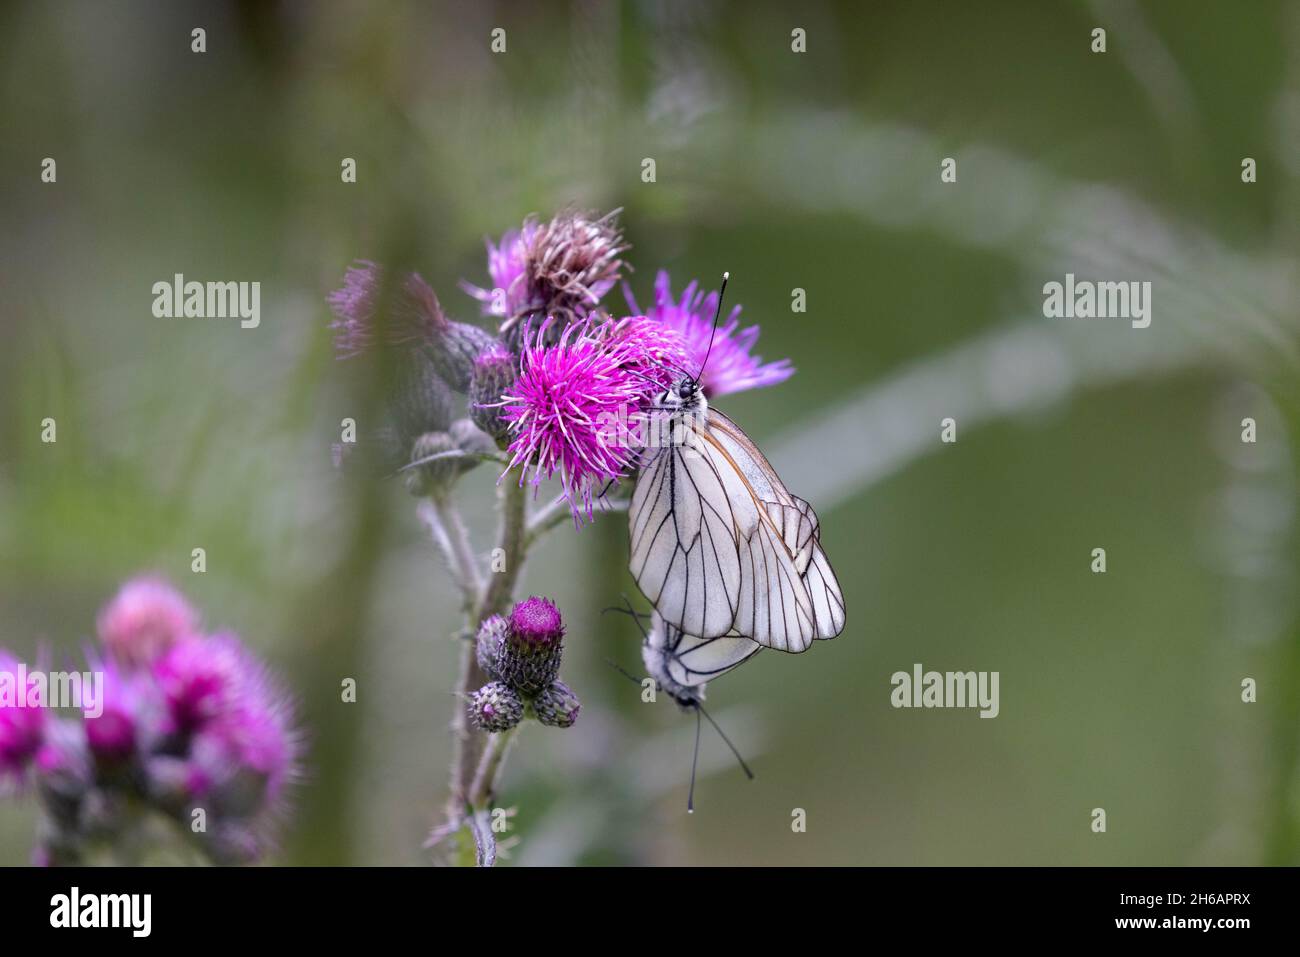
[[452, 538], [489, 767], [513, 545], [492, 599]]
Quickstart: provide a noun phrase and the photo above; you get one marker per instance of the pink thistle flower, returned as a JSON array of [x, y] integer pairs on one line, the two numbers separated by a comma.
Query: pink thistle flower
[[199, 679], [559, 269], [356, 324], [732, 366], [536, 621], [22, 725], [253, 744], [655, 351], [115, 732], [569, 408], [245, 748], [145, 618], [414, 318], [507, 267]]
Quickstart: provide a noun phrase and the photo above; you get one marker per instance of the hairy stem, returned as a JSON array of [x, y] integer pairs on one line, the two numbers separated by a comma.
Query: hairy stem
[[513, 545], [450, 535], [451, 520], [475, 763], [489, 768]]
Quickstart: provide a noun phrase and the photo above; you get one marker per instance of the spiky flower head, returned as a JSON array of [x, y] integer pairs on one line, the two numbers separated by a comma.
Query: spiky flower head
[[113, 733], [144, 619], [561, 268], [411, 316], [557, 706], [656, 353], [245, 757], [199, 678], [536, 623], [494, 373], [408, 315], [496, 707], [529, 658], [731, 366], [570, 410]]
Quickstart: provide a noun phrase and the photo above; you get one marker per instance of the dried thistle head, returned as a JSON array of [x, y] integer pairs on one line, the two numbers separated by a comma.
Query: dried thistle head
[[560, 268]]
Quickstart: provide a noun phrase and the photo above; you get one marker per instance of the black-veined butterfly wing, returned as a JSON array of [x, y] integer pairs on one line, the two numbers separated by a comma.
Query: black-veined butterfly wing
[[690, 661], [720, 545]]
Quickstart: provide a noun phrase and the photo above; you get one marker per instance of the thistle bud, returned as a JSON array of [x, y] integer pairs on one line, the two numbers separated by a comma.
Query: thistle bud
[[419, 400], [488, 644], [529, 659], [413, 317], [453, 347], [494, 373], [557, 706], [430, 478], [496, 707], [470, 438]]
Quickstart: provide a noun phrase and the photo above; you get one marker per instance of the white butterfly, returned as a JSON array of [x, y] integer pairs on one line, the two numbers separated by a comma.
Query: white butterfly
[[719, 545], [681, 664]]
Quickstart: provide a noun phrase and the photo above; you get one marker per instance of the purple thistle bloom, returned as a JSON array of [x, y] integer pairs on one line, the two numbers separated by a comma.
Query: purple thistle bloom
[[145, 618], [415, 313], [569, 408], [657, 352], [22, 728], [113, 734], [200, 679], [536, 621], [494, 373], [254, 742], [559, 269], [507, 267], [731, 365]]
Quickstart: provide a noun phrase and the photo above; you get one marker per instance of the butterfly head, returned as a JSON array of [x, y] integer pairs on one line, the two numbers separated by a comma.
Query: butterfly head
[[685, 395], [654, 655]]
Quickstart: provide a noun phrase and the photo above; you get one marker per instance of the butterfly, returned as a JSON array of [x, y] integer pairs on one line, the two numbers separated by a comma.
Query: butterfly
[[681, 664], [719, 546]]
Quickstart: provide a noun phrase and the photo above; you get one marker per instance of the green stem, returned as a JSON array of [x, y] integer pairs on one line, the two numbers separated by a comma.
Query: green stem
[[474, 758], [489, 768]]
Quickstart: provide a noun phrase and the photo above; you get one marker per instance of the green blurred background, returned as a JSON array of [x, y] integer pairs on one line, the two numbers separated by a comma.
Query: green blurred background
[[817, 171]]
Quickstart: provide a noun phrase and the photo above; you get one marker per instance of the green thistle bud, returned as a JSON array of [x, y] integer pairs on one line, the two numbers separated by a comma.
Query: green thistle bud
[[470, 438], [437, 476], [488, 644], [495, 707], [494, 373], [557, 706]]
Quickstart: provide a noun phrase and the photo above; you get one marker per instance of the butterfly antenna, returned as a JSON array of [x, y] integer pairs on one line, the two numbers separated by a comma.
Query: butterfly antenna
[[714, 331], [631, 613], [642, 375], [743, 766], [690, 797], [615, 665]]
